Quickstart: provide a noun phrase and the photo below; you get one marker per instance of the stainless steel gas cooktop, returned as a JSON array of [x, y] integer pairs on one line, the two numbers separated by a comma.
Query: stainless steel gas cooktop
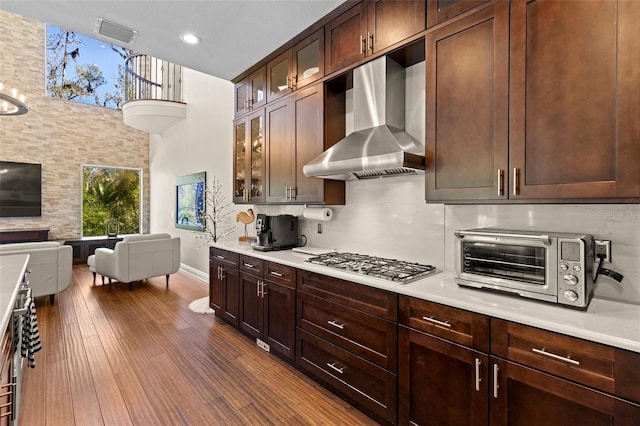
[[379, 267]]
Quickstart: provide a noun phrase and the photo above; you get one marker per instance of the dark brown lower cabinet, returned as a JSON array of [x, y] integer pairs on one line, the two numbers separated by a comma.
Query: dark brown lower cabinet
[[267, 312], [223, 292], [370, 388], [440, 382], [522, 396]]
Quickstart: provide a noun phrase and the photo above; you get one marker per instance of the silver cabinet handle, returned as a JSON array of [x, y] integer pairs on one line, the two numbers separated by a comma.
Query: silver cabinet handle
[[258, 288], [335, 324], [276, 274], [370, 41], [435, 321], [332, 365], [361, 45], [219, 273], [495, 380], [478, 379], [554, 356], [516, 184], [222, 275], [500, 182], [220, 257], [248, 265]]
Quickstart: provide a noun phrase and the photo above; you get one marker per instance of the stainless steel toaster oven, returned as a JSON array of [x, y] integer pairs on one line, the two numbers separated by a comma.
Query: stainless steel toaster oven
[[552, 267]]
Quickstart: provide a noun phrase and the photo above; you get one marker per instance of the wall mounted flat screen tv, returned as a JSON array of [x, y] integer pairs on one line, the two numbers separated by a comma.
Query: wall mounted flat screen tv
[[20, 189]]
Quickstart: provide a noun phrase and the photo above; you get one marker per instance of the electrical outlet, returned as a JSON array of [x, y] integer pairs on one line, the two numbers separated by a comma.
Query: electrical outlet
[[263, 345], [319, 228], [603, 247]]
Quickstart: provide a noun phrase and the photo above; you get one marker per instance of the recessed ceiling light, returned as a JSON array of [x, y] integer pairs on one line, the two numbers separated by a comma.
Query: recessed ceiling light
[[190, 38]]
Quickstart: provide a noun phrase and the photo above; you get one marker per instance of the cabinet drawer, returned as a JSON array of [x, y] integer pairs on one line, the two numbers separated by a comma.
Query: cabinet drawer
[[280, 274], [368, 336], [367, 299], [251, 265], [223, 256], [368, 386], [456, 325], [615, 371]]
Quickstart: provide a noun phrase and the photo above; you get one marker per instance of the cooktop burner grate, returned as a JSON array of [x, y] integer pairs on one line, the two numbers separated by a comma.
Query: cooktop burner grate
[[388, 269]]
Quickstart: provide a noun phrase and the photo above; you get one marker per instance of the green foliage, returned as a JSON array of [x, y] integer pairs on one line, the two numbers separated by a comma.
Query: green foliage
[[110, 193]]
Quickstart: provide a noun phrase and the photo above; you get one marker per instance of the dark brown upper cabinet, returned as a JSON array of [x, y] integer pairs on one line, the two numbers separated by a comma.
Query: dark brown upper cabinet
[[295, 136], [251, 92], [467, 107], [248, 154], [296, 67], [574, 105], [369, 28], [572, 125], [441, 10]]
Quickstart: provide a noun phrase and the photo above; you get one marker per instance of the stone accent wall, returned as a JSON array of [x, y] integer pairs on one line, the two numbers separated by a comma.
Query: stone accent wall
[[60, 135]]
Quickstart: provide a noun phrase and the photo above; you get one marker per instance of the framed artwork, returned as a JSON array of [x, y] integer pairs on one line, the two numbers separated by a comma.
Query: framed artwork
[[191, 201]]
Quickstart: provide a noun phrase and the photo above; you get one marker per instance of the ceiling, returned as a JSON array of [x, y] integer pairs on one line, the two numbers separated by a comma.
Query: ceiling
[[235, 34]]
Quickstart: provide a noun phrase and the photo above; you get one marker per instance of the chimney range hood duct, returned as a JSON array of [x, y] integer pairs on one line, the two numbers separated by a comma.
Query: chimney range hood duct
[[378, 146]]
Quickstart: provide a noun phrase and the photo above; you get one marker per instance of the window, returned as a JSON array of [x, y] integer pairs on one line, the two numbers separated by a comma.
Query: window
[[83, 69], [111, 193]]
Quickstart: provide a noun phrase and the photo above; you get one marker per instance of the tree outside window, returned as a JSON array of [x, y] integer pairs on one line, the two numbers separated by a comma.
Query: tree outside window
[[83, 69], [111, 193]]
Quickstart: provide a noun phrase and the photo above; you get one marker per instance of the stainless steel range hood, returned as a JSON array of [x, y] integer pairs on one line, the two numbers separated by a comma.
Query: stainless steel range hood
[[378, 145]]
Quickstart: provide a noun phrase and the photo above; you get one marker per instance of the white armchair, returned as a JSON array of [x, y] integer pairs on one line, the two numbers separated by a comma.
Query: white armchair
[[136, 258], [50, 264]]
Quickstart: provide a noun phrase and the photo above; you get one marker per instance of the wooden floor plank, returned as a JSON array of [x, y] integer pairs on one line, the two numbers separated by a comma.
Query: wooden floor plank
[[112, 405], [113, 356]]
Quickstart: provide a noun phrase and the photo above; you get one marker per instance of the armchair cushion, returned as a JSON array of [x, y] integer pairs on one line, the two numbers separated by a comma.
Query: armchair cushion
[[50, 264]]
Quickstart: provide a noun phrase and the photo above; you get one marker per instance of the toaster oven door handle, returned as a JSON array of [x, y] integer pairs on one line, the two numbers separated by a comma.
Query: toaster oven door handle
[[542, 237]]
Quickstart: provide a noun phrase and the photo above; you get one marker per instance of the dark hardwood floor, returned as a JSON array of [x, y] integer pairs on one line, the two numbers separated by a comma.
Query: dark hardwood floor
[[114, 357]]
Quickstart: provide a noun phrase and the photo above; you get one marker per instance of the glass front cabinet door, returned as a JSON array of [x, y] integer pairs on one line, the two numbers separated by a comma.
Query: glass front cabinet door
[[249, 161]]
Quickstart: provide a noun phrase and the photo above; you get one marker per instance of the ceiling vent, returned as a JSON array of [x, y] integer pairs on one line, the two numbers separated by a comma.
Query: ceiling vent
[[115, 31]]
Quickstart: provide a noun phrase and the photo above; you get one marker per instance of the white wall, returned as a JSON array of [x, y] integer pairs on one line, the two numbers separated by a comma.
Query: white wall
[[202, 142]]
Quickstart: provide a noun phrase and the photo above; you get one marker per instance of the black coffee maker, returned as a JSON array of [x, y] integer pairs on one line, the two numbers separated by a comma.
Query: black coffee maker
[[276, 232]]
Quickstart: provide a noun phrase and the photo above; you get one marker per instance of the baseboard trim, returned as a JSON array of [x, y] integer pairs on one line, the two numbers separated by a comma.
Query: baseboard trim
[[195, 273]]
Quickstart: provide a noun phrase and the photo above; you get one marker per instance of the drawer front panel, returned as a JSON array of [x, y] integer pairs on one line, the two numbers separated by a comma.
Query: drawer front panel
[[251, 265], [456, 325], [368, 336], [368, 386], [223, 256], [367, 299], [280, 274], [605, 368]]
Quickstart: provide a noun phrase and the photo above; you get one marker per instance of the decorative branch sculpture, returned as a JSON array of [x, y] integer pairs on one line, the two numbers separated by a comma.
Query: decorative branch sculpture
[[216, 214]]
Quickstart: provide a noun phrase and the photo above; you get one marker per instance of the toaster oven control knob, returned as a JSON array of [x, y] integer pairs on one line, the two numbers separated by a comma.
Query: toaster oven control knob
[[570, 279], [570, 295], [577, 268], [564, 266]]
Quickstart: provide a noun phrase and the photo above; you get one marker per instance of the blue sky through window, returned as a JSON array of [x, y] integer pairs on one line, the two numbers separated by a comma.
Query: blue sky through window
[[99, 53]]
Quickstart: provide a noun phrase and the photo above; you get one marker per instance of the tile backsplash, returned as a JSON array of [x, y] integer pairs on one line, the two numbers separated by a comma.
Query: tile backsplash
[[389, 217]]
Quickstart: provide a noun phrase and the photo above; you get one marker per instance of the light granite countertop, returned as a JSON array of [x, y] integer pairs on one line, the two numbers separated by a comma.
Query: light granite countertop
[[12, 269], [608, 322]]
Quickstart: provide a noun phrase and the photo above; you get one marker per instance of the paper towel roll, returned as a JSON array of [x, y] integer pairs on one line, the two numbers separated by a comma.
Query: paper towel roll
[[324, 214]]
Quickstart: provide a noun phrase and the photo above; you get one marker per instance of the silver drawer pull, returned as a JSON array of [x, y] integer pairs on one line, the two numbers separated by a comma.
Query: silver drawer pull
[[332, 365], [335, 324], [248, 265], [275, 274], [435, 321], [220, 257], [554, 356]]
